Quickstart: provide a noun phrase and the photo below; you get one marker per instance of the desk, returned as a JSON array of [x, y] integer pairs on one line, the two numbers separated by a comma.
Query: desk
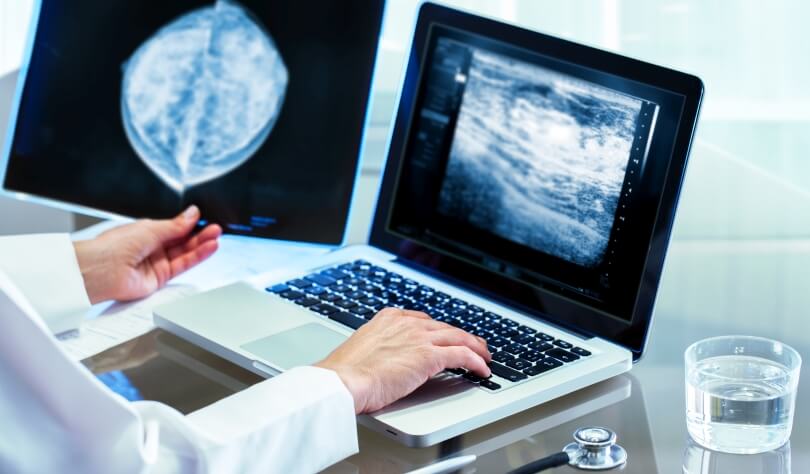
[[709, 288]]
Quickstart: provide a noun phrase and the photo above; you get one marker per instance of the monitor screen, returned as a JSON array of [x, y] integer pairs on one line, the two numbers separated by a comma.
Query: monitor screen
[[534, 168], [253, 110]]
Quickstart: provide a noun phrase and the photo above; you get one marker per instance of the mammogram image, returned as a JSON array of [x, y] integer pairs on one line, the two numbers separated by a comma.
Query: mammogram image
[[539, 157], [202, 94]]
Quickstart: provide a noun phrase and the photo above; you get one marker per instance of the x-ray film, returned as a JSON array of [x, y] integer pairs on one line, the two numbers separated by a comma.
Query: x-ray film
[[254, 110]]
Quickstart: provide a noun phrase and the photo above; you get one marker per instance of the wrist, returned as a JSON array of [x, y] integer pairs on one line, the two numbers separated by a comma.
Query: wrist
[[354, 382], [91, 271]]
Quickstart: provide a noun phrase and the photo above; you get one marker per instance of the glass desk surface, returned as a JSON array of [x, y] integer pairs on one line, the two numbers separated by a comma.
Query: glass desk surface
[[708, 289]]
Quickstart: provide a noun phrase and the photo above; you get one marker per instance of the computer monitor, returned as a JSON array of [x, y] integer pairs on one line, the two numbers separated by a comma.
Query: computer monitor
[[540, 172], [253, 110]]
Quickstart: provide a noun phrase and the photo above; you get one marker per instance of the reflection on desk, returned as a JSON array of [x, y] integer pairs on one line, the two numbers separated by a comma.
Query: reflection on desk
[[526, 436], [199, 378], [699, 460]]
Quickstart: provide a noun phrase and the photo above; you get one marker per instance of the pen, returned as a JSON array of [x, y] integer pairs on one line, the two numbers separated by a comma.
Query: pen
[[446, 465]]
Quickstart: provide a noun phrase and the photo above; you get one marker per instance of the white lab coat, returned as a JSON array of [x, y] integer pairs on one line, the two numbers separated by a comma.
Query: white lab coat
[[55, 416]]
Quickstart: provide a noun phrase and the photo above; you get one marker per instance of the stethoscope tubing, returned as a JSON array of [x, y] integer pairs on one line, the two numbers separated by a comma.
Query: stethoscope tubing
[[555, 460]]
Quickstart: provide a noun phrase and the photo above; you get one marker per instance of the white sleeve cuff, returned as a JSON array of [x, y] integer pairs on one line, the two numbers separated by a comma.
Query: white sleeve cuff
[[300, 421], [44, 268]]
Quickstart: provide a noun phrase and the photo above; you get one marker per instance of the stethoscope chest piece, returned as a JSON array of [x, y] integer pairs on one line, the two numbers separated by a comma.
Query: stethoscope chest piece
[[595, 449]]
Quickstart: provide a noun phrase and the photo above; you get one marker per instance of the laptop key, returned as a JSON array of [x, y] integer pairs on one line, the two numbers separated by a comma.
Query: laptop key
[[324, 309], [361, 310], [356, 294], [300, 283], [563, 344], [540, 346], [544, 337], [524, 338], [279, 288], [345, 304], [472, 377], [497, 341], [536, 370], [502, 356], [492, 316], [549, 363], [316, 290], [514, 348], [526, 330], [331, 297], [581, 352], [505, 372], [335, 273], [491, 325], [532, 356], [320, 279], [519, 364], [292, 295], [562, 355], [348, 319], [489, 384], [307, 302]]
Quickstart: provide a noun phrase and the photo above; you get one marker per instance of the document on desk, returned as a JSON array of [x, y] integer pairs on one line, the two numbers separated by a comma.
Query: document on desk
[[238, 258], [118, 323]]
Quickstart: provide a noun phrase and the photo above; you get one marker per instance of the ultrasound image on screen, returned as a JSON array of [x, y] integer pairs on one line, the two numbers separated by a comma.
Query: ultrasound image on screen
[[538, 157]]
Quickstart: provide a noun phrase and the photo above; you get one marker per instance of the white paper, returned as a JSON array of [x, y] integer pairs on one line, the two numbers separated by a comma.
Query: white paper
[[118, 323], [238, 258]]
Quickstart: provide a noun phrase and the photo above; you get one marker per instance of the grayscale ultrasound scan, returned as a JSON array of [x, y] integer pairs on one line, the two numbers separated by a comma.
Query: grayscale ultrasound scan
[[536, 168], [539, 157], [254, 110]]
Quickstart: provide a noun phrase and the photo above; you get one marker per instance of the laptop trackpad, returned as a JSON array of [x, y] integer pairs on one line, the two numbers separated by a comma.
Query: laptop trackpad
[[302, 345]]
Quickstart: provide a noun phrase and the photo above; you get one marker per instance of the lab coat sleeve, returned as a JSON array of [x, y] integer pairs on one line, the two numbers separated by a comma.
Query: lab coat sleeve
[[44, 268], [299, 422], [55, 412]]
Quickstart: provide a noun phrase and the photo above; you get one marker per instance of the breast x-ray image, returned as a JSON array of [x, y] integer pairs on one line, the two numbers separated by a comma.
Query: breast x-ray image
[[202, 94], [252, 109]]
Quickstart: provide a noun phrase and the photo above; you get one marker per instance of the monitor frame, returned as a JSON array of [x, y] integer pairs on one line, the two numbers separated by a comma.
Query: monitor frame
[[631, 334], [8, 134]]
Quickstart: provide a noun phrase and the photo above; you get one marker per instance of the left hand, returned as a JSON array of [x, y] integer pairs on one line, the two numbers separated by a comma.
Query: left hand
[[135, 260]]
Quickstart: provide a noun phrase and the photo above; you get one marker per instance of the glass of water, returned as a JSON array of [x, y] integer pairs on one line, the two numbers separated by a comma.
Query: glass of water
[[740, 393]]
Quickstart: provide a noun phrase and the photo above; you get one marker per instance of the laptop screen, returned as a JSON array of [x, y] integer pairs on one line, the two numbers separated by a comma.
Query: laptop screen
[[534, 168]]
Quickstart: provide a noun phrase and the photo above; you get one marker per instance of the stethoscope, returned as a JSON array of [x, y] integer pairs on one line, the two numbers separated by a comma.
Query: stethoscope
[[594, 449]]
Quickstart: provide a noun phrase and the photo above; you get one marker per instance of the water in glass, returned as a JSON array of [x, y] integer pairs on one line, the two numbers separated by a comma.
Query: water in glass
[[739, 403]]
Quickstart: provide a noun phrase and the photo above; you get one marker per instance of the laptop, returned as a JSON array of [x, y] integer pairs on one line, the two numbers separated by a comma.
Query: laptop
[[528, 197]]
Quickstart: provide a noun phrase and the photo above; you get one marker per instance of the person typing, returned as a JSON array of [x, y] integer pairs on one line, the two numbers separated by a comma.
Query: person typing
[[57, 416]]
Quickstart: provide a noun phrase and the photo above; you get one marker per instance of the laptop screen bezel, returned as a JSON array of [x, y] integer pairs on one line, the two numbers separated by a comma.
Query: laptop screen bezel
[[629, 334]]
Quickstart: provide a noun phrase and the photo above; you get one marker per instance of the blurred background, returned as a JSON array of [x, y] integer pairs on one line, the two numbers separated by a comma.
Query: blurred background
[[749, 176], [740, 256]]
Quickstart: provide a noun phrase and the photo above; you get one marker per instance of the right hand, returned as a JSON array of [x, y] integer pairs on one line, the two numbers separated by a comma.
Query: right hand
[[398, 351]]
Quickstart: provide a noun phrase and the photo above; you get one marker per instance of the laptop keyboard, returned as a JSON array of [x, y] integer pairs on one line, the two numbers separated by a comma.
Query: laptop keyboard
[[353, 293]]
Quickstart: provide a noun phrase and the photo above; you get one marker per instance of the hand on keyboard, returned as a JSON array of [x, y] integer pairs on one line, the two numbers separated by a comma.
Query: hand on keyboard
[[399, 350]]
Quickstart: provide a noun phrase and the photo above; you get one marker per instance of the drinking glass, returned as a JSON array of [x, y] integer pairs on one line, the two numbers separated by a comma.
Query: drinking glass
[[740, 393]]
